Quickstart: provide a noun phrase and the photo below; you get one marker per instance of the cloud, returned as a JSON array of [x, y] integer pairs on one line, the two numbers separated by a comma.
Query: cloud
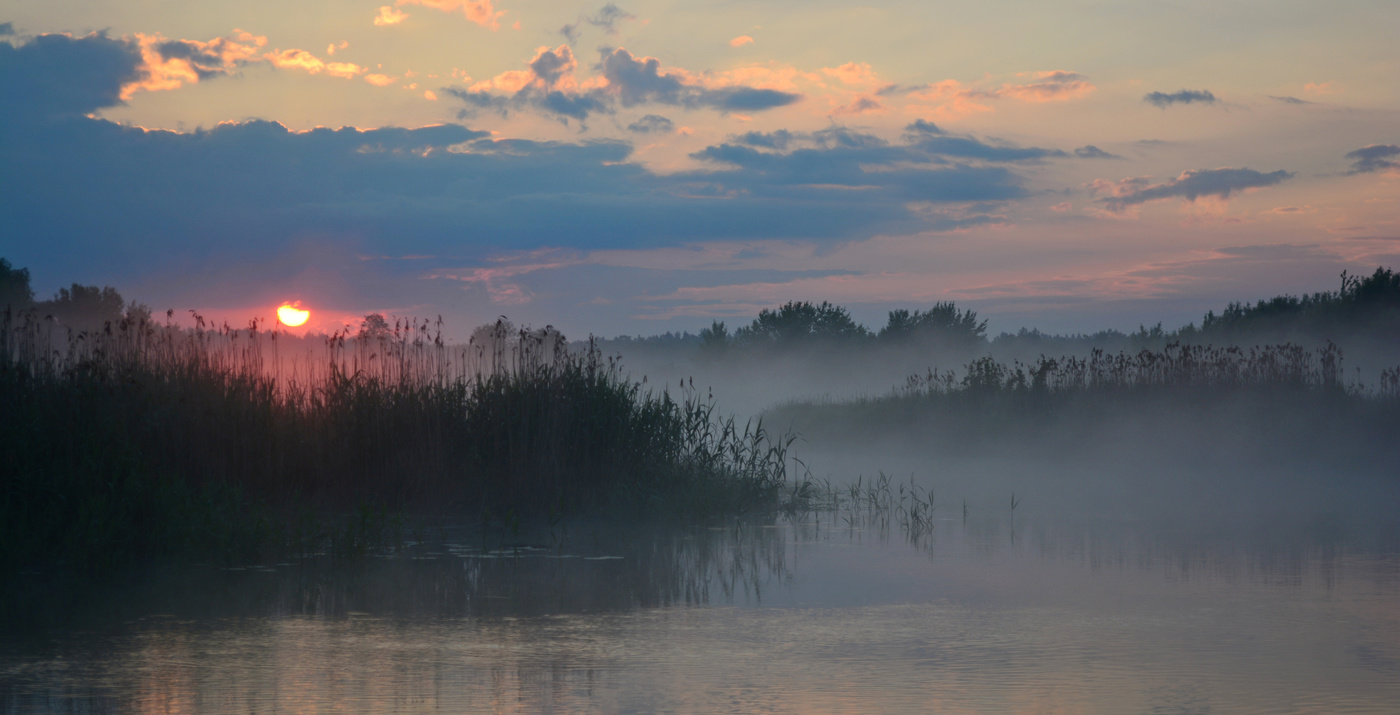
[[859, 106], [303, 60], [570, 32], [652, 124], [1191, 185], [1290, 100], [1376, 157], [1050, 86], [59, 75], [608, 17], [380, 80], [389, 15], [845, 170], [549, 85], [1089, 151], [1162, 100], [89, 196], [770, 140], [932, 140], [482, 12], [922, 128], [7, 29], [169, 64], [859, 74], [639, 80], [740, 41]]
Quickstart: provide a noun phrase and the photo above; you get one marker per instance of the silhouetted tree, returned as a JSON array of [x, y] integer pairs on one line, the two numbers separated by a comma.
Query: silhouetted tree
[[942, 325], [85, 307], [714, 339], [373, 327], [801, 323], [1371, 303], [15, 292]]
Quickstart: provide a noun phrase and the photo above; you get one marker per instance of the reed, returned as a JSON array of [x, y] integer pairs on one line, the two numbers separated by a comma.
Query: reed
[[148, 439], [1245, 398]]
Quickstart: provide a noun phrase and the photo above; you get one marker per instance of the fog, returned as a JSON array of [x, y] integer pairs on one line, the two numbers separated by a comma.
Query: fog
[[1213, 455]]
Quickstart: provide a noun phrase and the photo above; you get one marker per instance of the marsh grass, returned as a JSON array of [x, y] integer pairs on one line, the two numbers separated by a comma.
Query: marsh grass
[[147, 439], [1245, 398]]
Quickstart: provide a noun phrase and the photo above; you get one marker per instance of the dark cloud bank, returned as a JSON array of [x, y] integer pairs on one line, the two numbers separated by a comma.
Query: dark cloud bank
[[77, 191]]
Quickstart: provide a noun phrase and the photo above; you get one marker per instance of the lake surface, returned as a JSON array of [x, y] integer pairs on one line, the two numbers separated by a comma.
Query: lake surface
[[824, 613]]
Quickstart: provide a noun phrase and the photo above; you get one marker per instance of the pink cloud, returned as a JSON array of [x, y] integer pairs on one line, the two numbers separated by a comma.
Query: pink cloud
[[482, 12], [740, 41]]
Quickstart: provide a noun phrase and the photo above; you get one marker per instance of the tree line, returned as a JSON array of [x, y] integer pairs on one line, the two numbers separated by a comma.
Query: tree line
[[79, 307]]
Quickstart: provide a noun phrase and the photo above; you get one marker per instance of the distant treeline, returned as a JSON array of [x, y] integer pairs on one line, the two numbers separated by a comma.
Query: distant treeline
[[78, 307], [1362, 305]]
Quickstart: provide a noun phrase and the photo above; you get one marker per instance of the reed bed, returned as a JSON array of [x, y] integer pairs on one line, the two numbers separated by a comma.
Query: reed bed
[[1227, 398], [145, 438]]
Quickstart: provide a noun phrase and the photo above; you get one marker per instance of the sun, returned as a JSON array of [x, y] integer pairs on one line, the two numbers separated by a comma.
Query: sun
[[292, 316]]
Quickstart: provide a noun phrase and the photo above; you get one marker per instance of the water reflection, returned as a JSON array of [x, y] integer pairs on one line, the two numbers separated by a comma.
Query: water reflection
[[827, 612]]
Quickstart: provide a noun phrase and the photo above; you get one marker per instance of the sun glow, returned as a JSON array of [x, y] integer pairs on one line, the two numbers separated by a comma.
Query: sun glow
[[292, 316]]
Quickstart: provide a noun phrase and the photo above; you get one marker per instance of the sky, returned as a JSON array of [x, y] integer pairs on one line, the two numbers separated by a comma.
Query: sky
[[640, 167]]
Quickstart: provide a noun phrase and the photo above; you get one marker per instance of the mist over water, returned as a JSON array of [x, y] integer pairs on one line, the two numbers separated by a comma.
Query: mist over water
[[1180, 528]]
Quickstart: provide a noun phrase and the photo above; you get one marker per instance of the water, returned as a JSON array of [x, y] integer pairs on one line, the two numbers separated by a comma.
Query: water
[[1035, 614]]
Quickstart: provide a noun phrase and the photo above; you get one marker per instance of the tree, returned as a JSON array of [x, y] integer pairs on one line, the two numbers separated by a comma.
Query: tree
[[85, 307], [801, 323], [943, 324], [715, 338], [15, 292], [373, 327]]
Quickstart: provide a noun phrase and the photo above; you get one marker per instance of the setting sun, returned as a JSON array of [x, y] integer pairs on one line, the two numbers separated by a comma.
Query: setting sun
[[292, 316]]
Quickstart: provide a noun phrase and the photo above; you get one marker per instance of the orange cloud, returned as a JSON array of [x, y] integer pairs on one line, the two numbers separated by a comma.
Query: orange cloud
[[169, 64], [303, 60], [482, 12], [380, 80], [430, 95], [1320, 87], [740, 41], [331, 48], [389, 16]]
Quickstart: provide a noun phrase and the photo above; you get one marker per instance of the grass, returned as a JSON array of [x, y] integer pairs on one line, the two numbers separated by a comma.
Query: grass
[[147, 440], [1259, 398]]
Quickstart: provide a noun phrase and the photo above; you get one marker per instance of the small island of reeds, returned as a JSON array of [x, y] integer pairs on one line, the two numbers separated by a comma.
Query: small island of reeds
[[144, 439]]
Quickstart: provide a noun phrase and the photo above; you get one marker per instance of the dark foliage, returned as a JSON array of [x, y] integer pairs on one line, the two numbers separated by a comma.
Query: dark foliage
[[799, 324]]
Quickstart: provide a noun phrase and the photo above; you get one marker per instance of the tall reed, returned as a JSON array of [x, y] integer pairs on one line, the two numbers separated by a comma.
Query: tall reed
[[133, 425]]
